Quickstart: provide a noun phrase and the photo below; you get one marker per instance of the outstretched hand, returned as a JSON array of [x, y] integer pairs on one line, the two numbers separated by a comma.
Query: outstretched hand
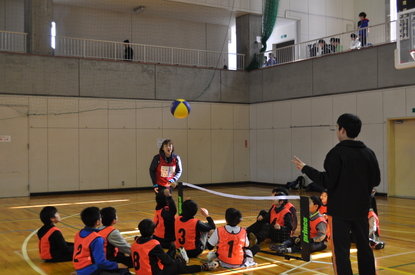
[[298, 163], [204, 212]]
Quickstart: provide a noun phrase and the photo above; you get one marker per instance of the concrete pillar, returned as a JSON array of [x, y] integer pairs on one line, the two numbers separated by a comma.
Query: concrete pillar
[[248, 27], [38, 16]]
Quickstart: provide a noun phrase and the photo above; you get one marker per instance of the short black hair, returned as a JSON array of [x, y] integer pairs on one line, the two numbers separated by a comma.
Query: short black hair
[[338, 40], [47, 213], [280, 189], [322, 41], [362, 14], [165, 142], [90, 216], [161, 199], [126, 41], [316, 200], [353, 35], [282, 194], [146, 228], [108, 215], [351, 123], [324, 191], [189, 208], [233, 216]]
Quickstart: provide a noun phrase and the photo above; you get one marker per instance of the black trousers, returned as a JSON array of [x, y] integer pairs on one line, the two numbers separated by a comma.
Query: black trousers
[[180, 268], [340, 245]]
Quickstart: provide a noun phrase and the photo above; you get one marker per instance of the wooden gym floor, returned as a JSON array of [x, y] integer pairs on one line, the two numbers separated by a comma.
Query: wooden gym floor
[[19, 220]]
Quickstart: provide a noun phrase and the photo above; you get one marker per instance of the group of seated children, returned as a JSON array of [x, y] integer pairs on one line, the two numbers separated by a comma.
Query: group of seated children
[[99, 248]]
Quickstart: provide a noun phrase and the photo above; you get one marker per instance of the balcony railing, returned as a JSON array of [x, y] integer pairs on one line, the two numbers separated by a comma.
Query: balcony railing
[[88, 48], [13, 41], [376, 35]]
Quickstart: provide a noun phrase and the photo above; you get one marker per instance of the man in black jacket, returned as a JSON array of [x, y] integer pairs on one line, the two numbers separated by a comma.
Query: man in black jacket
[[351, 172]]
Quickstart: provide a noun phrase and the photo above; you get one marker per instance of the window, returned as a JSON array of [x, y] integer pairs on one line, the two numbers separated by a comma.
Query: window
[[52, 34]]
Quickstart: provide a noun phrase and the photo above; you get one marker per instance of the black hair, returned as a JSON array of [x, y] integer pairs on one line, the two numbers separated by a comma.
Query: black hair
[[332, 39], [280, 189], [316, 201], [233, 216], [282, 194], [189, 208], [353, 35], [47, 213], [338, 40], [324, 191], [161, 199], [90, 216], [108, 215], [146, 228], [351, 124], [165, 142], [126, 41], [362, 14], [322, 41]]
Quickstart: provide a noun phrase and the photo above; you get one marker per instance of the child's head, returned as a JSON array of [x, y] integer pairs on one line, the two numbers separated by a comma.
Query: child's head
[[146, 228], [350, 123], [362, 15], [49, 215], [324, 196], [315, 204], [161, 199], [189, 208], [233, 216], [279, 202], [280, 189], [108, 215], [167, 146], [90, 216], [353, 36]]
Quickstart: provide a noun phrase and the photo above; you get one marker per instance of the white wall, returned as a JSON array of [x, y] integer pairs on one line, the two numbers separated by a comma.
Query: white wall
[[100, 149], [280, 130]]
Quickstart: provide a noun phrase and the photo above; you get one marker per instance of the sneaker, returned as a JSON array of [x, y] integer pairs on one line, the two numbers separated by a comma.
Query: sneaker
[[252, 240], [183, 254], [211, 256], [280, 249], [379, 245], [210, 265]]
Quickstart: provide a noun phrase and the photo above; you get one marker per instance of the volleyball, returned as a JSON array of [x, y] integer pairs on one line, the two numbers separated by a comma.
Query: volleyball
[[180, 108]]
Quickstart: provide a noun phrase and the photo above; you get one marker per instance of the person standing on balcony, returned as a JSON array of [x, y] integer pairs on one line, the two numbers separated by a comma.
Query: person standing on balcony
[[128, 52], [363, 28]]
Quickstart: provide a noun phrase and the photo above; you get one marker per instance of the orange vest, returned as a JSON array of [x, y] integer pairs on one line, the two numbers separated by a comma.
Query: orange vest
[[323, 209], [44, 244], [158, 220], [230, 246], [82, 253], [165, 171], [104, 233], [141, 258], [278, 218], [313, 226], [186, 233]]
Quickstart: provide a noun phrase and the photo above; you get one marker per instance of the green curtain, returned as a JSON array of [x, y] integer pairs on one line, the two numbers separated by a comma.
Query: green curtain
[[269, 18]]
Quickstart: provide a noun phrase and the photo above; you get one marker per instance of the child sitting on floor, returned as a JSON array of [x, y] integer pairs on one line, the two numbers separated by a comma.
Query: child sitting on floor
[[317, 232], [52, 245], [233, 247], [149, 257]]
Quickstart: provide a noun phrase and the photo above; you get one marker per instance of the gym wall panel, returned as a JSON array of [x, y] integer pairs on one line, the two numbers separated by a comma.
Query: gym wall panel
[[121, 114], [122, 158], [221, 116], [369, 107], [146, 150], [95, 118], [265, 155], [222, 155], [63, 113], [63, 159], [200, 116], [200, 151], [241, 144], [93, 159], [394, 101], [282, 114], [282, 156], [38, 160]]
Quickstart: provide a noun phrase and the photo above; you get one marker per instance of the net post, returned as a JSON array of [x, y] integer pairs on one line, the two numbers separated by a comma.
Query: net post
[[305, 228], [179, 197]]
